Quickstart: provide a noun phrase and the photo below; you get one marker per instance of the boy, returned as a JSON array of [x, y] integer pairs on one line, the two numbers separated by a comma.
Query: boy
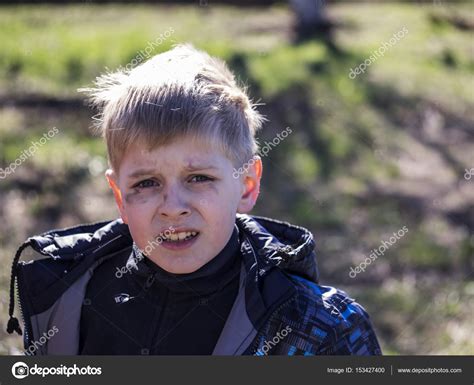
[[185, 270]]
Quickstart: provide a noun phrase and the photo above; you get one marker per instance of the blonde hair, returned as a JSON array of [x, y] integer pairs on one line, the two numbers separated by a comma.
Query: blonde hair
[[181, 92]]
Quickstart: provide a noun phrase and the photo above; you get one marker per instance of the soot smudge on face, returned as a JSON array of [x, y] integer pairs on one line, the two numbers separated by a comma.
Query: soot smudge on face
[[136, 197]]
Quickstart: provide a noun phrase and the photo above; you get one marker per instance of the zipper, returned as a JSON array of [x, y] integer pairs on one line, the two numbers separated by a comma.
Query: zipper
[[284, 303], [149, 281], [125, 297], [158, 317], [26, 320]]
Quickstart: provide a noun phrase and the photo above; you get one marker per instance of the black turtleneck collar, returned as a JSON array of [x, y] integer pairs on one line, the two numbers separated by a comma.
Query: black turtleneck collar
[[207, 279]]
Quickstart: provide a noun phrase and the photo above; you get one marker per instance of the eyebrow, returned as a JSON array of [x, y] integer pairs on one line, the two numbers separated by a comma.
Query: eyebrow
[[199, 167], [151, 171]]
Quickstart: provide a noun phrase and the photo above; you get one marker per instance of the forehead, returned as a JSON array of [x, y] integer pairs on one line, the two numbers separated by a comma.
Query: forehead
[[182, 152]]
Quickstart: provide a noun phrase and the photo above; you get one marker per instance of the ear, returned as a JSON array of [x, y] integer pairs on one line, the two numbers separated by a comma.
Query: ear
[[113, 183], [250, 185]]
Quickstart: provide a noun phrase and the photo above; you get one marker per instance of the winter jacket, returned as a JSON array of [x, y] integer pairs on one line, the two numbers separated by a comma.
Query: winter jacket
[[173, 314], [280, 309]]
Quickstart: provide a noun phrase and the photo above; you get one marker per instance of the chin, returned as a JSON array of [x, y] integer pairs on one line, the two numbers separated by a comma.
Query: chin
[[171, 265]]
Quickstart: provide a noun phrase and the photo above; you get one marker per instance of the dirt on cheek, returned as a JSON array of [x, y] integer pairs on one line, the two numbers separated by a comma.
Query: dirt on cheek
[[134, 198]]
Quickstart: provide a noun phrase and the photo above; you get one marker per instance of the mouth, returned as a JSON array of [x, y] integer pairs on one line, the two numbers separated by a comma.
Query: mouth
[[179, 240], [177, 237]]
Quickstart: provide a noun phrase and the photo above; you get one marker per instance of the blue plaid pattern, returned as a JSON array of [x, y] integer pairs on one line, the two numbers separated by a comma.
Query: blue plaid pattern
[[323, 321]]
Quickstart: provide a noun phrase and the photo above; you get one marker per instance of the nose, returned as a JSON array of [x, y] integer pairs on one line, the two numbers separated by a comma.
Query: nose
[[174, 204]]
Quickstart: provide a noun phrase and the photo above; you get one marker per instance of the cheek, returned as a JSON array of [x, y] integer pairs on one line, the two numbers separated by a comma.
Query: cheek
[[219, 205], [139, 209], [221, 198], [139, 227], [219, 214], [136, 199], [137, 222]]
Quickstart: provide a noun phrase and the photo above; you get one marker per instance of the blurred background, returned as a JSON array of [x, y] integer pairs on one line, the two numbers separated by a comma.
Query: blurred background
[[369, 153]]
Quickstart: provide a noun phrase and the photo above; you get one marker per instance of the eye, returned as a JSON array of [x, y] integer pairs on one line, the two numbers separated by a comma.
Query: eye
[[145, 184], [201, 178]]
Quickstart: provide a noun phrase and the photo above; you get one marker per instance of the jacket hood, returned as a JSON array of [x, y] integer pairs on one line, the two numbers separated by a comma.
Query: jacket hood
[[281, 244]]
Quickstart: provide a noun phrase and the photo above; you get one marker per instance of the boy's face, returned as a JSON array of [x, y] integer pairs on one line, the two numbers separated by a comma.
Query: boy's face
[[183, 187]]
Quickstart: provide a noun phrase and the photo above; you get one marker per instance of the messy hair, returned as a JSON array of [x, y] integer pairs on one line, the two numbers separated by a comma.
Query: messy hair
[[180, 92]]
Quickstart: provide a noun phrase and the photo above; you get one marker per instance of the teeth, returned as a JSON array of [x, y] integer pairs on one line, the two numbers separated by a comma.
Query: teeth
[[179, 236]]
